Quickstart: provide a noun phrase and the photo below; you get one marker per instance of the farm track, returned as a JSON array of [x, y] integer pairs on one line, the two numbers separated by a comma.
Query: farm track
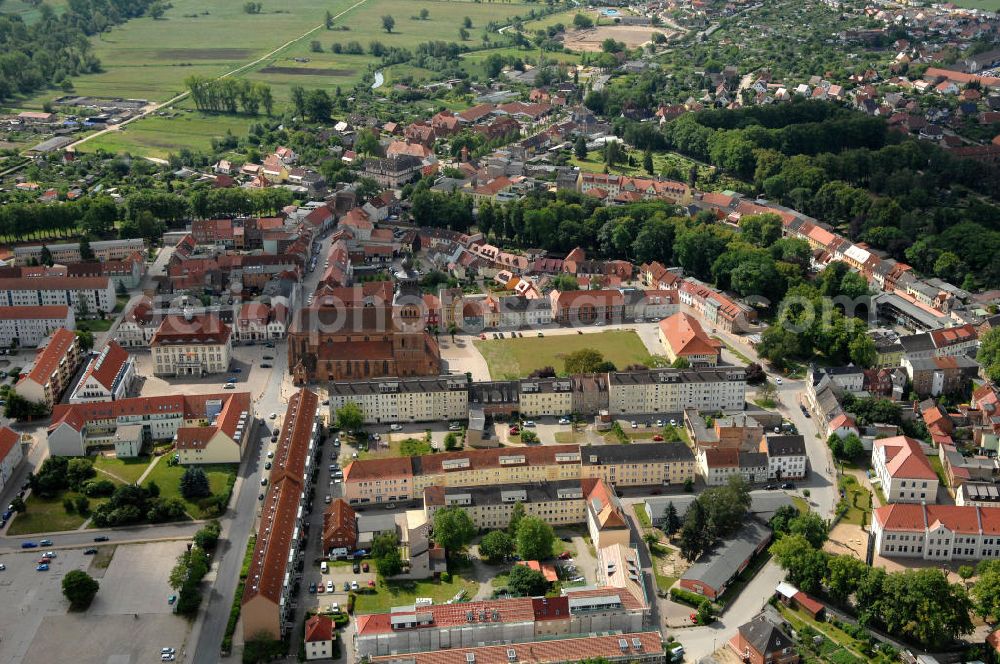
[[152, 108]]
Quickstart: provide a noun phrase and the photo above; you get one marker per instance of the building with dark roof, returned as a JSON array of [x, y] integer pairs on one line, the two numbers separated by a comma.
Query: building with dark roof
[[761, 641], [191, 344], [714, 571], [786, 456]]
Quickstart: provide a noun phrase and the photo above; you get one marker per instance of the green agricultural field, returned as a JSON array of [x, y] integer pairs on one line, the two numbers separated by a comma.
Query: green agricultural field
[[993, 5], [150, 58], [30, 12], [474, 62], [300, 65], [516, 358], [158, 136]]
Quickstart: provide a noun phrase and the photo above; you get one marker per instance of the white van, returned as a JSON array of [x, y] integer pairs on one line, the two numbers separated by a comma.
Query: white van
[[323, 567]]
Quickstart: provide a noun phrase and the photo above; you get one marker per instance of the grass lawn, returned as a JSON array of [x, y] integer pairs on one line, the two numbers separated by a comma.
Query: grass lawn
[[800, 504], [158, 136], [168, 478], [663, 582], [939, 469], [46, 515], [398, 593], [96, 325], [125, 470], [397, 447], [859, 501], [516, 358], [669, 163], [993, 5]]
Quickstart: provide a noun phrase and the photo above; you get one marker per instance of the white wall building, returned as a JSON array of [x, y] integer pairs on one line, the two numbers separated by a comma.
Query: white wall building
[[673, 390], [404, 399], [88, 295], [108, 377], [27, 327], [904, 471], [11, 454], [939, 533]]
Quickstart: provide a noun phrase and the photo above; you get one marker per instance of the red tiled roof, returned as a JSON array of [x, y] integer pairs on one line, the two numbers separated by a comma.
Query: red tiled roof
[[967, 519], [107, 364], [686, 337], [540, 652], [54, 283], [319, 628], [518, 609], [905, 458], [8, 439], [49, 357], [284, 495], [205, 328], [53, 311]]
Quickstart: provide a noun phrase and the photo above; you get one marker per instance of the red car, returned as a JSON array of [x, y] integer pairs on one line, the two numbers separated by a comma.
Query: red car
[[364, 567], [565, 555], [513, 431], [658, 438]]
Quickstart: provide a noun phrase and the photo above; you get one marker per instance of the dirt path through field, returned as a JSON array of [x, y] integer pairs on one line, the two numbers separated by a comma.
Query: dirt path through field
[[233, 72]]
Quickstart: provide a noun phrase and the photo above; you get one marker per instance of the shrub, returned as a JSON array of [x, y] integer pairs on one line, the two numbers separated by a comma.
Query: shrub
[[686, 597], [445, 577]]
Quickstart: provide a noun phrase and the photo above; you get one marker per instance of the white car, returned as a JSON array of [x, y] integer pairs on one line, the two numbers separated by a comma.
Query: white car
[[167, 657], [327, 500], [530, 424], [272, 416], [564, 420], [167, 651], [635, 425], [778, 380], [329, 586], [395, 427]]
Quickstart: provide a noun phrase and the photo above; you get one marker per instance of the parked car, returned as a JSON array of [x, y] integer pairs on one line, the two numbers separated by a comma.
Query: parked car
[[267, 466], [90, 552], [395, 427], [530, 424], [49, 554], [265, 365], [329, 586], [42, 567], [565, 555], [347, 586], [28, 545], [171, 599], [354, 585], [658, 438], [357, 567], [46, 542], [564, 420], [788, 485], [320, 589], [364, 567]]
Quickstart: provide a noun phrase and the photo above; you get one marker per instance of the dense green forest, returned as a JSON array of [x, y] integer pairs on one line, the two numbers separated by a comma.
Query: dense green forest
[[909, 197], [55, 48]]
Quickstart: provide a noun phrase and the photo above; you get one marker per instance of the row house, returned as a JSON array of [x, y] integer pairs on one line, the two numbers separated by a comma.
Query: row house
[[587, 307], [268, 602], [87, 295], [257, 321], [103, 250], [52, 369], [403, 478], [26, 327], [715, 307], [127, 272]]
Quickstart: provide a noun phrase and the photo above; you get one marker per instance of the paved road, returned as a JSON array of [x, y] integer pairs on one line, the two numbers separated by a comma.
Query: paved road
[[79, 538], [241, 520]]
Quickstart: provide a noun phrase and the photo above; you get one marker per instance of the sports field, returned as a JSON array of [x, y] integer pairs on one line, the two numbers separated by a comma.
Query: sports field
[[516, 358]]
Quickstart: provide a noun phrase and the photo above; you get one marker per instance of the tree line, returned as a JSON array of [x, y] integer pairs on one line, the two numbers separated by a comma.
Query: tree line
[[230, 95]]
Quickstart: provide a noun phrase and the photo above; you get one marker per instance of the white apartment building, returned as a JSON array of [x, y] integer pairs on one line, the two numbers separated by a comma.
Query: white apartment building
[[939, 533], [27, 327], [11, 454], [108, 377], [104, 250], [191, 345], [85, 294], [404, 399], [786, 456], [903, 470], [673, 390]]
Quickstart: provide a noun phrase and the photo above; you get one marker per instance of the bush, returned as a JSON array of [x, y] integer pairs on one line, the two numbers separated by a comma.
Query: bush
[[79, 588], [686, 597], [445, 577], [98, 488], [351, 597]]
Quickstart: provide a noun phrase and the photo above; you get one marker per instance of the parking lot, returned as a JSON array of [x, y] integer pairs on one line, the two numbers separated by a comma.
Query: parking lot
[[251, 377], [37, 627]]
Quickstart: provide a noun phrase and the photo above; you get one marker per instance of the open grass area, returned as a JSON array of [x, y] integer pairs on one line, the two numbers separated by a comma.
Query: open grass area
[[158, 136], [663, 581], [30, 11], [397, 446], [398, 593], [669, 163], [47, 515], [96, 325], [516, 358], [127, 471], [993, 5], [168, 478], [858, 499]]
